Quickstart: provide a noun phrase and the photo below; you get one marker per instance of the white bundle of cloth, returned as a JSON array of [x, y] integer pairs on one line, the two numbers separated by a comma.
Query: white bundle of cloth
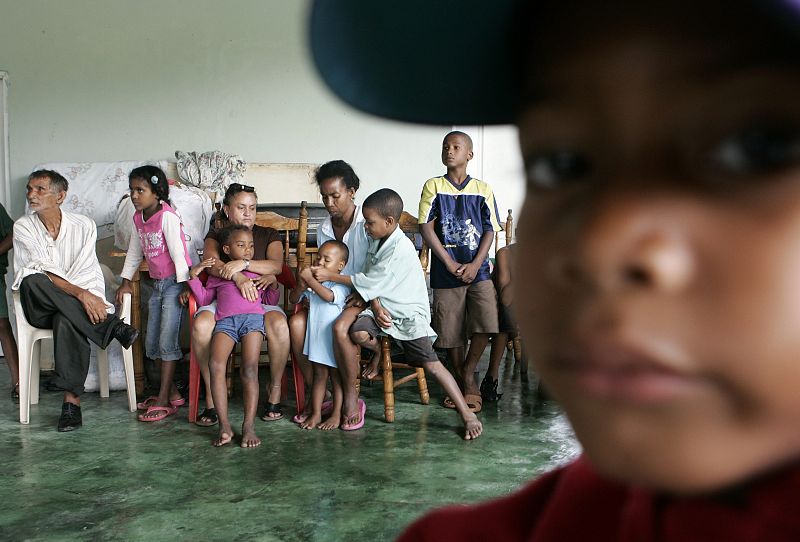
[[211, 171]]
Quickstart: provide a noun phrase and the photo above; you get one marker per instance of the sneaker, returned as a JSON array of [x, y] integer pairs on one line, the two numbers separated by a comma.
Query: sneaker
[[70, 418], [126, 334], [489, 389]]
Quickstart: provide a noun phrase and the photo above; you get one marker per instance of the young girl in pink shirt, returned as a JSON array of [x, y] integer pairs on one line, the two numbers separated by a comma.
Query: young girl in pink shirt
[[237, 320], [161, 242]]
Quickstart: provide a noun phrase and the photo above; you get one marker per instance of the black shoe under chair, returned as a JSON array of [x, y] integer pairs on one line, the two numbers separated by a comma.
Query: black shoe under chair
[[70, 418], [125, 334]]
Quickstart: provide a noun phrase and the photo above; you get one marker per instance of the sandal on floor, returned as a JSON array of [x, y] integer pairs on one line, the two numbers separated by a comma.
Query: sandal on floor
[[163, 412], [153, 399], [208, 414], [272, 408], [448, 403], [327, 408], [489, 389], [474, 402], [15, 392], [362, 406]]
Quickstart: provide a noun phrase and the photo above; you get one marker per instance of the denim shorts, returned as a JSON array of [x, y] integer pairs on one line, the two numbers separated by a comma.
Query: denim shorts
[[239, 325], [164, 321]]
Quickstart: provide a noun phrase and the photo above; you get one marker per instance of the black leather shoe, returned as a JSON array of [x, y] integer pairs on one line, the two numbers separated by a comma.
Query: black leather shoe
[[126, 334], [70, 418]]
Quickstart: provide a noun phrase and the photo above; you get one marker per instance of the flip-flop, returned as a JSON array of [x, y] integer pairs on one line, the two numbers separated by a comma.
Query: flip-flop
[[327, 408], [150, 401], [474, 402], [272, 408], [362, 410], [164, 411], [209, 414]]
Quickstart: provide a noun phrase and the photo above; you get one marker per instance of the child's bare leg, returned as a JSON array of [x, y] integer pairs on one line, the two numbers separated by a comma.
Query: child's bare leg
[[317, 395], [251, 349], [489, 383], [477, 345], [10, 350], [365, 340], [221, 347], [297, 334], [496, 353], [472, 426], [166, 391], [202, 330], [347, 360], [335, 419], [456, 358]]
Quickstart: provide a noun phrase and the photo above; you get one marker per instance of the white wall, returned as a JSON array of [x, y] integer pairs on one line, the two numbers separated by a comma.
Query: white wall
[[105, 80]]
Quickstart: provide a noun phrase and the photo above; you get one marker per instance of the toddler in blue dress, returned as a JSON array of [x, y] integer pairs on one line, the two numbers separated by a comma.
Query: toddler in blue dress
[[326, 301]]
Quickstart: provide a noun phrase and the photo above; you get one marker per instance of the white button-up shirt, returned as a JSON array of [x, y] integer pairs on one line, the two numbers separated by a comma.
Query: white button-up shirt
[[70, 256]]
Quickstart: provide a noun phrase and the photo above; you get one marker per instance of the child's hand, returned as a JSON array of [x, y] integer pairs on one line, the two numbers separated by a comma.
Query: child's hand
[[228, 270], [264, 281], [183, 298], [382, 316], [321, 274], [306, 274], [453, 267], [467, 272], [205, 264], [122, 290]]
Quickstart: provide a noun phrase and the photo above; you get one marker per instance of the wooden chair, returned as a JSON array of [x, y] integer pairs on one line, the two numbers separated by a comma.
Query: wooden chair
[[410, 226], [294, 258]]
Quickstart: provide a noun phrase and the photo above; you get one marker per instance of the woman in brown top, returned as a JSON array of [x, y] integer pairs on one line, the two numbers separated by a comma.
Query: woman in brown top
[[239, 207]]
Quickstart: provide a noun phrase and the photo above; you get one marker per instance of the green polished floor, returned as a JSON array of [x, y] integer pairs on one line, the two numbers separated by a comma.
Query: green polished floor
[[119, 479]]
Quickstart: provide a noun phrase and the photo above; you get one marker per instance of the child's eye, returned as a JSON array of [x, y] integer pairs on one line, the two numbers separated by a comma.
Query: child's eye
[[549, 170], [758, 150]]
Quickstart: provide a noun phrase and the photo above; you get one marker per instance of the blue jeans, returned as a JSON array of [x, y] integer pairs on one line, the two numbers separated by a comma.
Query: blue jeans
[[164, 321]]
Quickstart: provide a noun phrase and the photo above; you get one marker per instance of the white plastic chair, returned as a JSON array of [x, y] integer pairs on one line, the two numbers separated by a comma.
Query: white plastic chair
[[29, 346]]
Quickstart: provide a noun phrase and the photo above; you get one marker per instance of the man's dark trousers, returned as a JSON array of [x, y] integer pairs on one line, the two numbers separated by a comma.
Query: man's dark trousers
[[48, 307]]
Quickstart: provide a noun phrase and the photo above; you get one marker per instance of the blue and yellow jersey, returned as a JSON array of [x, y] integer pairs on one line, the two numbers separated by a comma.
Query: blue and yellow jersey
[[462, 214]]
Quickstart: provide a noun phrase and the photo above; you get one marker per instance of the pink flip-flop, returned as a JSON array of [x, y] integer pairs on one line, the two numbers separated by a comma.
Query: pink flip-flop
[[362, 410], [164, 411], [327, 408], [150, 401]]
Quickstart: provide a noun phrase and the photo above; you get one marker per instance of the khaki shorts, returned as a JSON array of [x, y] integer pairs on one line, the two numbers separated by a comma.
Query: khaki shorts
[[459, 313]]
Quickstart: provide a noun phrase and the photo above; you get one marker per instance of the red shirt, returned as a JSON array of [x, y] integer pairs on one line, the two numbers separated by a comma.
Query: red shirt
[[575, 503]]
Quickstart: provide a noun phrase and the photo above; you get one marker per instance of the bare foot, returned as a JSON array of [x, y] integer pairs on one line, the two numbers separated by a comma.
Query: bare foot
[[301, 418], [225, 436], [249, 438], [310, 422], [472, 428], [370, 371], [332, 422]]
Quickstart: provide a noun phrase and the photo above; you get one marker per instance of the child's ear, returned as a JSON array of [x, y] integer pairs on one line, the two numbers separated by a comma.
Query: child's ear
[[470, 154], [226, 249], [341, 265]]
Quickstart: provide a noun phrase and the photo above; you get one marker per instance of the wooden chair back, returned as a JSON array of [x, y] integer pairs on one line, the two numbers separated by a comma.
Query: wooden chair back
[[410, 226], [508, 228]]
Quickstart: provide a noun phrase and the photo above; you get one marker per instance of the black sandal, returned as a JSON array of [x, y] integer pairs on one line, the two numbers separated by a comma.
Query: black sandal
[[15, 392], [272, 408], [209, 414], [489, 389]]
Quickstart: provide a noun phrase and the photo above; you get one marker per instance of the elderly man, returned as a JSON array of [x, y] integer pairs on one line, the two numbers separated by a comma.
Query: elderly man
[[61, 287]]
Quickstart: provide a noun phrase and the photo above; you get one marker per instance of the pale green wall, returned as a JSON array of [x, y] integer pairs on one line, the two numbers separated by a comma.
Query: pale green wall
[[104, 80]]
